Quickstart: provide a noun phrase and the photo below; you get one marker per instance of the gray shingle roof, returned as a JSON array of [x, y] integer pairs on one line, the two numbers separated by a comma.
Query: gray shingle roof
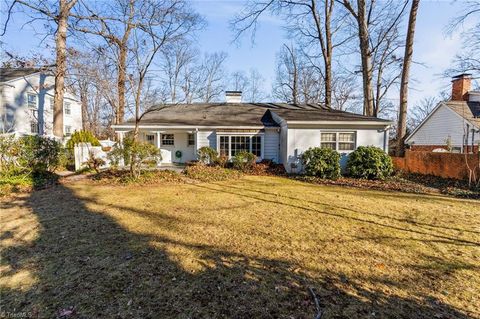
[[243, 114], [7, 74], [468, 110]]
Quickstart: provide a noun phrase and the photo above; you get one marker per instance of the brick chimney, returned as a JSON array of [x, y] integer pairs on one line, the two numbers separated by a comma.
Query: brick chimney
[[233, 96], [461, 84]]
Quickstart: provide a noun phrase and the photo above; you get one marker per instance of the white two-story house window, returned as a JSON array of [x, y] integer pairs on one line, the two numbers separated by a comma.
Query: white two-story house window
[[68, 130], [32, 100], [67, 109]]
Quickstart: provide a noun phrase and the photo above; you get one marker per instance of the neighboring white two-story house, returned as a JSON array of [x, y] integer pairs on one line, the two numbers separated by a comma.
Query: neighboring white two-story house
[[453, 124], [26, 101]]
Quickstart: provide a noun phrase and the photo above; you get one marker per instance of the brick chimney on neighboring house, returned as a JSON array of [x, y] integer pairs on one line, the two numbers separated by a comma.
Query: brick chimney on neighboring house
[[461, 84]]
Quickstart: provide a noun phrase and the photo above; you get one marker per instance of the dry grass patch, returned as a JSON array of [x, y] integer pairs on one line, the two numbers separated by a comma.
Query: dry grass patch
[[244, 248]]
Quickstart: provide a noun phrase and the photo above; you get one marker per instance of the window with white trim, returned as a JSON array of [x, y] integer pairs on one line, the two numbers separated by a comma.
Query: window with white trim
[[256, 146], [191, 139], [34, 127], [224, 145], [168, 139], [339, 141], [31, 100], [150, 138], [68, 130], [67, 109], [239, 144], [230, 145], [52, 103]]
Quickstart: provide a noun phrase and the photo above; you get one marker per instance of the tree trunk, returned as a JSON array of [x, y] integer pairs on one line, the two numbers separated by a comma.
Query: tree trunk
[[366, 59], [86, 122], [61, 67], [121, 81], [328, 56], [407, 59]]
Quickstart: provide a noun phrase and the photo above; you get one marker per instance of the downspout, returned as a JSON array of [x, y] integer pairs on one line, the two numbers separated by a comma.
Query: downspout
[[385, 139]]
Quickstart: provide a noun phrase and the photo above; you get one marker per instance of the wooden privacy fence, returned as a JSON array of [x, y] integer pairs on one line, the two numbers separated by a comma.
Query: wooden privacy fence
[[447, 165]]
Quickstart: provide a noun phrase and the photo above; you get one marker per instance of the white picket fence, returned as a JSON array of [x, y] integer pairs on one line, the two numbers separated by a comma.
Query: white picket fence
[[82, 153]]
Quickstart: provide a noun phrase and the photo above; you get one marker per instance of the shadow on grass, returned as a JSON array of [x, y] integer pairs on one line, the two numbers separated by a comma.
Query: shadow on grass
[[85, 261], [338, 214], [375, 194]]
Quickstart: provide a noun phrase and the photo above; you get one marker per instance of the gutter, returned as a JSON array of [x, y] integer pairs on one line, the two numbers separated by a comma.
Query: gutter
[[383, 123], [128, 126]]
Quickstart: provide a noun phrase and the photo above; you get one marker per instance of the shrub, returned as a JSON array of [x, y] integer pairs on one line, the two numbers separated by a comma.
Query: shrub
[[221, 161], [207, 155], [369, 162], [321, 162], [9, 151], [82, 136], [94, 162], [140, 153], [116, 155], [38, 154], [244, 161]]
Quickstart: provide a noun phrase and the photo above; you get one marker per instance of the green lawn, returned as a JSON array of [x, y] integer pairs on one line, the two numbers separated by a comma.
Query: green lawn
[[247, 248]]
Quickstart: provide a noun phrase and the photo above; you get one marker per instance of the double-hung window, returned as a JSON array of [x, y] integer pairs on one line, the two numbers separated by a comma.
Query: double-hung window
[[32, 100], [150, 139], [339, 141], [230, 145], [52, 103], [34, 127], [68, 130], [191, 139], [67, 108], [168, 139]]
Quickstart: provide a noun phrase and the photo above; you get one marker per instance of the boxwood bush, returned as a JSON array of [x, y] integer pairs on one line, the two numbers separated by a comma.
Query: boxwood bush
[[369, 162], [321, 162]]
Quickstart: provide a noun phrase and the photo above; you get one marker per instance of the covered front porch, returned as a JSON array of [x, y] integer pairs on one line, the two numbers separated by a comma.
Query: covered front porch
[[176, 146]]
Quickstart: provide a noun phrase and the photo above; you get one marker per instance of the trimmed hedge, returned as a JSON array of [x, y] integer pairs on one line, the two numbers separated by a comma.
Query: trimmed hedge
[[369, 162]]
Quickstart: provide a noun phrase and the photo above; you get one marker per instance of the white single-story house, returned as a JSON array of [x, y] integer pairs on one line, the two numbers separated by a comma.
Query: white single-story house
[[26, 103], [276, 131], [452, 124]]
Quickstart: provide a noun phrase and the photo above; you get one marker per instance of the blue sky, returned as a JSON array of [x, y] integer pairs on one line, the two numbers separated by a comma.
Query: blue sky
[[433, 50]]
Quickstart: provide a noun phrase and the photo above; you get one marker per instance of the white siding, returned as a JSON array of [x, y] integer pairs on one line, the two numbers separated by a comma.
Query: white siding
[[206, 138], [271, 144], [14, 104], [441, 125], [301, 139], [168, 151]]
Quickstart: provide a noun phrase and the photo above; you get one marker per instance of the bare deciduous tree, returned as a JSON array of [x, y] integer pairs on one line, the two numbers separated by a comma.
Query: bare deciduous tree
[[380, 19], [407, 60], [211, 76], [420, 111], [59, 15], [313, 21], [238, 81], [468, 60]]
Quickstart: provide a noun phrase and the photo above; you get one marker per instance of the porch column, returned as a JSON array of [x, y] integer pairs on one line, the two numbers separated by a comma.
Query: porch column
[[158, 139], [195, 153], [158, 146], [120, 137]]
